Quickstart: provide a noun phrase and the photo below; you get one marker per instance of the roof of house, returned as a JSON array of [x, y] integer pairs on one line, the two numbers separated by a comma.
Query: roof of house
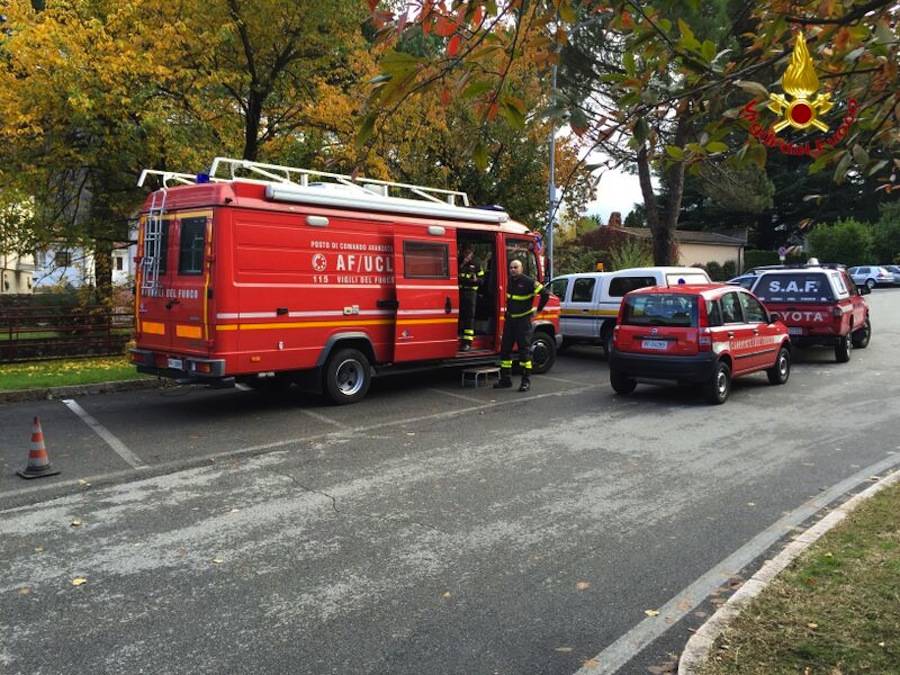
[[731, 238]]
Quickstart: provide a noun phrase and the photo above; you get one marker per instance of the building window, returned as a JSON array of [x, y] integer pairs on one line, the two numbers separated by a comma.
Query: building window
[[62, 258], [120, 263], [422, 260], [190, 249]]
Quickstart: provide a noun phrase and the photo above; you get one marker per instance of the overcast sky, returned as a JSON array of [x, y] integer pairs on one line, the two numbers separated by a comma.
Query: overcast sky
[[617, 191]]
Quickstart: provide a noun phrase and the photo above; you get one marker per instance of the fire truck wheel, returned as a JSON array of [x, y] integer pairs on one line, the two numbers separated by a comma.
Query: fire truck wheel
[[543, 352], [843, 348], [347, 376]]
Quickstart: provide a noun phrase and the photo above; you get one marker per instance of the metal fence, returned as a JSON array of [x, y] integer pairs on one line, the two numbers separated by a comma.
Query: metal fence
[[47, 332]]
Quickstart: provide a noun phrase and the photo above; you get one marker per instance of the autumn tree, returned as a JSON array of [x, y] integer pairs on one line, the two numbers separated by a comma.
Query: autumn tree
[[659, 85]]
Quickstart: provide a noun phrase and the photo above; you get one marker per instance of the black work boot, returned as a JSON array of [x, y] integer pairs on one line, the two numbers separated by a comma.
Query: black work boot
[[526, 383], [466, 346], [505, 380]]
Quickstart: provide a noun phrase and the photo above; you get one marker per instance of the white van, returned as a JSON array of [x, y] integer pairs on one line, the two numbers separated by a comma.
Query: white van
[[590, 301]]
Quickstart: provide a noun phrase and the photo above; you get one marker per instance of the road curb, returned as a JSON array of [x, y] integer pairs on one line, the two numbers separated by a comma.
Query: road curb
[[698, 648], [44, 393]]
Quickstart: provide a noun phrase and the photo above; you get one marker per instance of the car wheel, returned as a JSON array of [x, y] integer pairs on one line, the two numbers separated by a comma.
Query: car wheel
[[862, 336], [621, 383], [608, 345], [781, 371], [347, 376], [870, 284], [842, 348], [543, 352], [719, 387]]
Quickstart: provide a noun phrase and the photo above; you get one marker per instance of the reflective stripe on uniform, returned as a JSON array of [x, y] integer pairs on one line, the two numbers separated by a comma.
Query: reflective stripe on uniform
[[506, 363], [520, 297], [521, 314], [525, 364]]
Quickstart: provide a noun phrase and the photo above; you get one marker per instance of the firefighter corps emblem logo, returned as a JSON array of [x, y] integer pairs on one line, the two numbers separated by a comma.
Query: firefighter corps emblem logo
[[801, 108], [319, 262]]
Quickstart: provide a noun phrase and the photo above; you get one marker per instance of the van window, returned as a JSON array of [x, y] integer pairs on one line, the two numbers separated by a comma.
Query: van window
[[522, 250], [619, 286], [794, 287], [559, 287], [689, 278], [731, 309], [583, 289], [190, 248], [426, 260], [753, 311], [713, 313], [660, 309]]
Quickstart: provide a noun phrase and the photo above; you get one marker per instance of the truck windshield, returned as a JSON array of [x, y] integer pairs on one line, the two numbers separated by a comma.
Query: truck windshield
[[794, 287], [660, 309]]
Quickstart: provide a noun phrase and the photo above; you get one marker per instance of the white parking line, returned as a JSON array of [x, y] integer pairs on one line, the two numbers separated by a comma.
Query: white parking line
[[323, 418], [461, 397], [561, 379], [118, 446], [630, 644]]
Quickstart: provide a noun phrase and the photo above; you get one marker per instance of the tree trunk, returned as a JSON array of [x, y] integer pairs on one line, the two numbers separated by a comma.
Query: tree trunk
[[662, 237], [103, 269], [251, 127]]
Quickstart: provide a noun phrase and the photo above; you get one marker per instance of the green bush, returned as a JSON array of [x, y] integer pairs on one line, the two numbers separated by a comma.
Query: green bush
[[714, 270], [846, 241], [886, 235], [633, 252], [729, 270]]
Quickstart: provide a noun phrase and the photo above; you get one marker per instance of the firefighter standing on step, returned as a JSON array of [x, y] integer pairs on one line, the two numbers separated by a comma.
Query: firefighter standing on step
[[520, 293], [471, 276]]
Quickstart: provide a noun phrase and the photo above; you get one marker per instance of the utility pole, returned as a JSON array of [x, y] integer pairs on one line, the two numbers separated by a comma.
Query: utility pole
[[551, 188]]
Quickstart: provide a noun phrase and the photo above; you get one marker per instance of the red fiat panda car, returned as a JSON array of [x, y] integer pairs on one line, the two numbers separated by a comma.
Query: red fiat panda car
[[696, 335]]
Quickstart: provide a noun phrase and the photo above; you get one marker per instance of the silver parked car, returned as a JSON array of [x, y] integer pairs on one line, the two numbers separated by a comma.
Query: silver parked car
[[871, 276], [895, 270]]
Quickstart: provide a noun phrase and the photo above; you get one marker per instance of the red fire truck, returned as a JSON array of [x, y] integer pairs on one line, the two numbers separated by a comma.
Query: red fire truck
[[257, 273]]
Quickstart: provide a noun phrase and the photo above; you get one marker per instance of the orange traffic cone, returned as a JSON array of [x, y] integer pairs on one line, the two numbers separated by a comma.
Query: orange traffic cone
[[38, 459]]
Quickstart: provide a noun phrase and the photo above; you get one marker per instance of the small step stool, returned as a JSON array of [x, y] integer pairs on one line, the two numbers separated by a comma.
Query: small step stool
[[470, 376]]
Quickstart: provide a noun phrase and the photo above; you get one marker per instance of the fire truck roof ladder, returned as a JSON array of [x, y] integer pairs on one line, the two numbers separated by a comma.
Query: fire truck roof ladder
[[286, 183], [153, 239], [165, 177]]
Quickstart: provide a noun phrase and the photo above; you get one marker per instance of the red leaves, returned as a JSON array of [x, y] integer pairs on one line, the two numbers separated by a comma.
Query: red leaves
[[453, 45], [445, 26]]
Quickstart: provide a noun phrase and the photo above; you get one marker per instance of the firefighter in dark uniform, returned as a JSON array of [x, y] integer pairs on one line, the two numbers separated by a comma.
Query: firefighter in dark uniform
[[471, 277], [520, 293]]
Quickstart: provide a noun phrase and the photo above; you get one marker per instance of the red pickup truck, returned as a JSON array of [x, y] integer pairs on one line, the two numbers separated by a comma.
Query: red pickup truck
[[819, 305]]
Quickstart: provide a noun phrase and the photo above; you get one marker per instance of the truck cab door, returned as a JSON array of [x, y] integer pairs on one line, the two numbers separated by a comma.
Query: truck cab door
[[427, 320]]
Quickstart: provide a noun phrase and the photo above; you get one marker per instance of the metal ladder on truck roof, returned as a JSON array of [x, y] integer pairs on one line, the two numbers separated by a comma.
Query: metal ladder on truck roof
[[154, 228]]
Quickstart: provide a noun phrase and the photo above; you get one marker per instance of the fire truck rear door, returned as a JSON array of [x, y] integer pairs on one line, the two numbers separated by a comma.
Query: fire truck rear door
[[427, 294]]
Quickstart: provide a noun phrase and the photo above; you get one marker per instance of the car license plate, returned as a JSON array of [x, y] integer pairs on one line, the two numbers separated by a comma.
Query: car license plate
[[176, 364], [661, 345], [795, 330]]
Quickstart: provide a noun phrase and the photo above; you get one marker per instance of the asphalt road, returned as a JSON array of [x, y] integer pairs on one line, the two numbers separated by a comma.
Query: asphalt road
[[428, 529]]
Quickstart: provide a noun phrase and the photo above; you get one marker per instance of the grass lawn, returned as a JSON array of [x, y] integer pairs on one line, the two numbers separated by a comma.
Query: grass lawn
[[834, 611], [60, 373]]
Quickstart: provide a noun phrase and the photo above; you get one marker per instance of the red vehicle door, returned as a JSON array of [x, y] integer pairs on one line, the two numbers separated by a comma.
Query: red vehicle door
[[764, 339], [427, 294], [152, 315], [736, 333], [186, 296], [173, 315]]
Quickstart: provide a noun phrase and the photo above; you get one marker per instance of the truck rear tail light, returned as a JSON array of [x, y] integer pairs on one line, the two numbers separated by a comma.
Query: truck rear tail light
[[203, 367], [704, 340]]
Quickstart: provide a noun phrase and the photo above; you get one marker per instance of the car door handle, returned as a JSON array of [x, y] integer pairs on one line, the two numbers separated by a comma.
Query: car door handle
[[387, 304], [756, 331], [448, 306], [731, 333]]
